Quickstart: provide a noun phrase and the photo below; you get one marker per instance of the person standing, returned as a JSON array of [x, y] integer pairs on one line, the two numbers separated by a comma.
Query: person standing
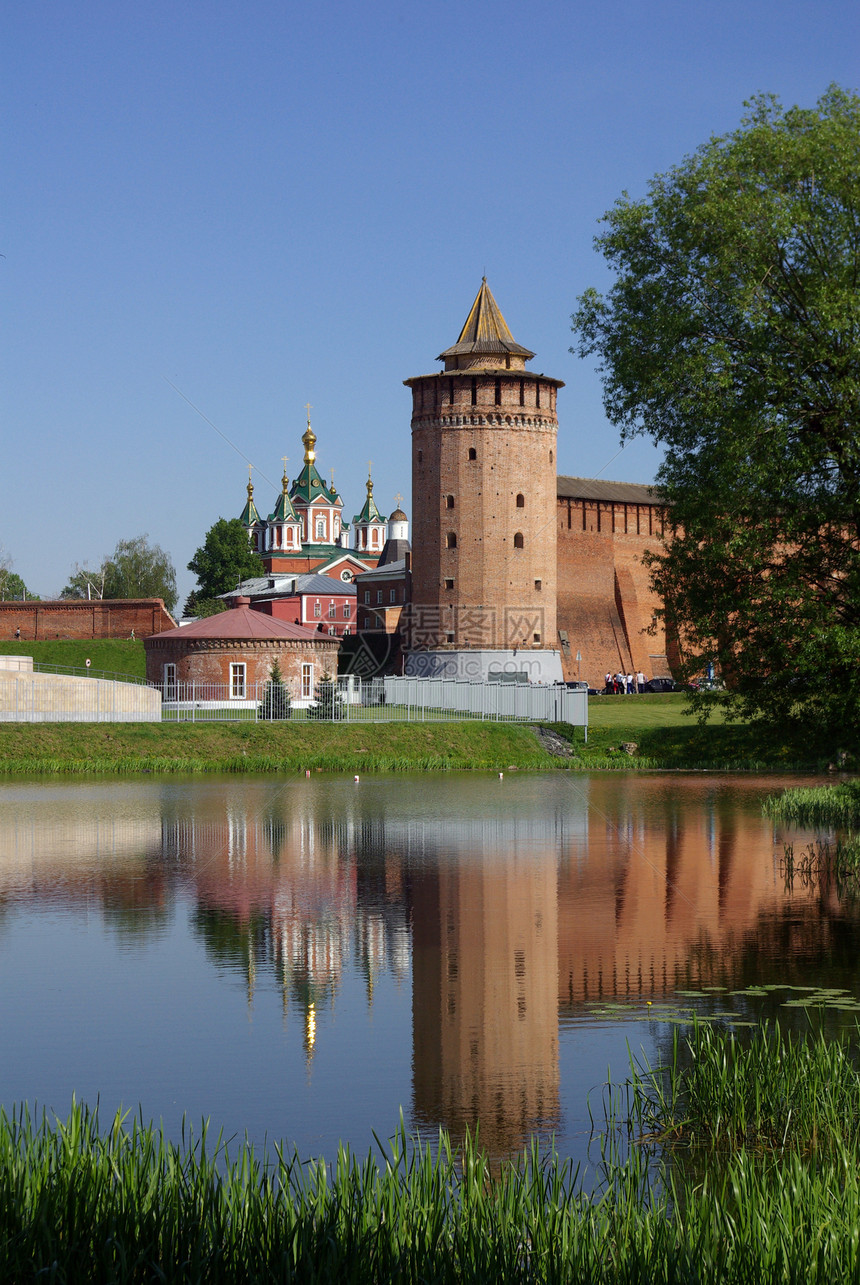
[[640, 682]]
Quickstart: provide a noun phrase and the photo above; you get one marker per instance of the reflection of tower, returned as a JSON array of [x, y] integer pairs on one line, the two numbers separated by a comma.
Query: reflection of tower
[[484, 499], [485, 1024]]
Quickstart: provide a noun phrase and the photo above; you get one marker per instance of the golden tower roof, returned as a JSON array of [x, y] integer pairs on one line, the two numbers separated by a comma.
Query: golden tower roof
[[485, 331]]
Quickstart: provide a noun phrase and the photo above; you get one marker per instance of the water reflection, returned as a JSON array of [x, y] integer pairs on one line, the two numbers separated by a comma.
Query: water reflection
[[505, 907]]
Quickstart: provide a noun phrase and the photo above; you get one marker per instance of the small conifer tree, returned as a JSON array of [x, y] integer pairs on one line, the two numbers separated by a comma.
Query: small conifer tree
[[276, 696], [326, 706]]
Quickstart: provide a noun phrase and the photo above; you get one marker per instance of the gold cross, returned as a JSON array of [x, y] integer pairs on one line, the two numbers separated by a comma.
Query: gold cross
[[368, 467], [398, 500], [308, 408], [285, 458]]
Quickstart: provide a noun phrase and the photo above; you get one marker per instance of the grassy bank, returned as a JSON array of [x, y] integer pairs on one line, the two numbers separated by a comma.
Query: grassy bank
[[667, 737], [124, 1204], [664, 736], [69, 749]]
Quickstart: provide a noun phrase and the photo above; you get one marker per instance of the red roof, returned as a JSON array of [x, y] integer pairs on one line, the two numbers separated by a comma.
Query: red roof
[[242, 622]]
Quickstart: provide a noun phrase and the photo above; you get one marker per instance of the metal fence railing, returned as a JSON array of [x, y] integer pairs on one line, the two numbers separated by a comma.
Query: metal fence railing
[[378, 700]]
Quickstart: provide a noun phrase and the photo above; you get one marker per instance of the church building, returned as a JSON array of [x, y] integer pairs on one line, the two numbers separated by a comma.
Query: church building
[[305, 532]]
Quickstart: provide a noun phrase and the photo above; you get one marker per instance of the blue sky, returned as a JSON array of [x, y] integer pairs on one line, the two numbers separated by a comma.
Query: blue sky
[[268, 204]]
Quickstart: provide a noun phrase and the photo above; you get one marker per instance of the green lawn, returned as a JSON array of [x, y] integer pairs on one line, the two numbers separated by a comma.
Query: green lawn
[[666, 735], [108, 655]]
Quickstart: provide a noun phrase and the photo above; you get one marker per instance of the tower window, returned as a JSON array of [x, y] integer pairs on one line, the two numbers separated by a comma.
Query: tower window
[[537, 396], [518, 540], [498, 392], [550, 457], [420, 457], [449, 584], [451, 540], [473, 454], [522, 392], [538, 585], [451, 391], [521, 501], [449, 501], [474, 391]]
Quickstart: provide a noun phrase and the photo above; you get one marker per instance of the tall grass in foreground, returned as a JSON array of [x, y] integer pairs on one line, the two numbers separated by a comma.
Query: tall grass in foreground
[[772, 1094], [123, 1204]]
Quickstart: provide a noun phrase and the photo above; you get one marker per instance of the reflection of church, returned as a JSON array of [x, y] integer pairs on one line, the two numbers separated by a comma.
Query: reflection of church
[[509, 908]]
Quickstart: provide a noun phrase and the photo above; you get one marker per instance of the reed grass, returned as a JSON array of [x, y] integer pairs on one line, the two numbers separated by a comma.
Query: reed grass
[[821, 862], [772, 1093], [124, 1204], [836, 806]]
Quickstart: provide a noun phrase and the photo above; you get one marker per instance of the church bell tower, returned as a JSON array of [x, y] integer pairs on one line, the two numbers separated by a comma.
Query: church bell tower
[[484, 497]]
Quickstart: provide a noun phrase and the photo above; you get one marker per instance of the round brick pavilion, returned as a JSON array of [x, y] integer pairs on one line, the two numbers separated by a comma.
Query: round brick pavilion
[[238, 649]]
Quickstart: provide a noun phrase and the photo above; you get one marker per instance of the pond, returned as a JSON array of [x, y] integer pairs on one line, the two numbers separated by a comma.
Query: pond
[[305, 959]]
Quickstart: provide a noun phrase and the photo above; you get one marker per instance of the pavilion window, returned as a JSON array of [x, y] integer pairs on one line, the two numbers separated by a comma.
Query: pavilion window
[[237, 681]]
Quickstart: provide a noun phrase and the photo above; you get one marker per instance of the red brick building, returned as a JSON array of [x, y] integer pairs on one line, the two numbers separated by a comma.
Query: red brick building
[[484, 492], [514, 567], [236, 650], [315, 601]]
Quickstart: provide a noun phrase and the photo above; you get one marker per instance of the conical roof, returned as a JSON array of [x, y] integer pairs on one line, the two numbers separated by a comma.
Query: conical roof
[[370, 513], [486, 330], [249, 515], [283, 510], [242, 622]]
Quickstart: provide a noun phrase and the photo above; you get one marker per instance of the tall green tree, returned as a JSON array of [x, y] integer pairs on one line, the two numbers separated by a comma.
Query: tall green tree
[[12, 587], [223, 560], [138, 569], [731, 336], [135, 569]]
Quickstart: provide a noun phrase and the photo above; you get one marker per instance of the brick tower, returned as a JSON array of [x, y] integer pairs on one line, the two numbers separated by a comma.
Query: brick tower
[[484, 499]]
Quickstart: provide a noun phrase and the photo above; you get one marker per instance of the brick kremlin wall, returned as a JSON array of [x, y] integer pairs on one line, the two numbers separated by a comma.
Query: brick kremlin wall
[[605, 603], [101, 618]]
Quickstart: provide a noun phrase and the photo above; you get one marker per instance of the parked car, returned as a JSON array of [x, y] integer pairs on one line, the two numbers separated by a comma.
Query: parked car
[[662, 685]]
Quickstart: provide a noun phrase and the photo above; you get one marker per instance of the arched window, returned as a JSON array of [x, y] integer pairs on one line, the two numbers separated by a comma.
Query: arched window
[[521, 501], [449, 501], [473, 454], [420, 457], [518, 540], [451, 540]]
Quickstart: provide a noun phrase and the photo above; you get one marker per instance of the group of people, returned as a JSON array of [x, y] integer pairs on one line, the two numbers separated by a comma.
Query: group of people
[[626, 684]]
